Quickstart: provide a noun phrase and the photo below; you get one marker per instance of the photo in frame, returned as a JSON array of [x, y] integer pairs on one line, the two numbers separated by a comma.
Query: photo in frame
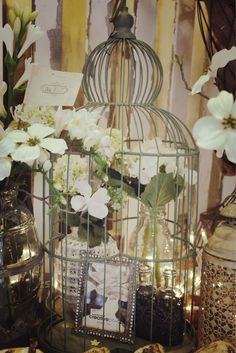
[[106, 298]]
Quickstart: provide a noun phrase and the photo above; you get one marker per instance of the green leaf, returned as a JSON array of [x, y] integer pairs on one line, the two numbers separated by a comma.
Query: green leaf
[[162, 189]]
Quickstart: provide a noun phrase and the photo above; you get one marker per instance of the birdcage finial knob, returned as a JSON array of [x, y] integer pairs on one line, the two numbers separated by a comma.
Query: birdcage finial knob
[[123, 21]]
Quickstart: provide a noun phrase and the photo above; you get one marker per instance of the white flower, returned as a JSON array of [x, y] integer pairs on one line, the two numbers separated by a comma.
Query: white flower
[[218, 132], [32, 141], [69, 170], [33, 34], [105, 148], [3, 89], [92, 139], [95, 204], [8, 38], [26, 73], [110, 143], [62, 117], [7, 146], [83, 121], [34, 114], [219, 60], [144, 169]]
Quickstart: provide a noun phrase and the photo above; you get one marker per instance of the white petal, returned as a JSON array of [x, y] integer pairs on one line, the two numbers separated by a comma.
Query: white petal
[[54, 145], [197, 87], [26, 153], [26, 73], [5, 169], [144, 178], [44, 155], [78, 203], [18, 136], [33, 34], [44, 160], [220, 151], [221, 106], [96, 209], [233, 110], [222, 57], [209, 133], [62, 118], [100, 196], [8, 38], [47, 165], [84, 188], [230, 146], [40, 131], [7, 145]]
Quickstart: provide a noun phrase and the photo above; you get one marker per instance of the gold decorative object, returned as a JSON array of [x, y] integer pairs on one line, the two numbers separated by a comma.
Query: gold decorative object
[[218, 287]]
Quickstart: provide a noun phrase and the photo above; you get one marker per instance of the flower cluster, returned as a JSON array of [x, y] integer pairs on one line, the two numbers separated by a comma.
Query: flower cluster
[[27, 135], [140, 165], [148, 165], [218, 130]]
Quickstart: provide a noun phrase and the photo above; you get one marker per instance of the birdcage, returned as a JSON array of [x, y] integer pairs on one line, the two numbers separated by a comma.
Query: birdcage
[[121, 252]]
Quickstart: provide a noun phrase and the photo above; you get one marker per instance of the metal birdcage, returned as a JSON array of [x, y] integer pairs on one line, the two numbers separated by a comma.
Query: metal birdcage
[[147, 161]]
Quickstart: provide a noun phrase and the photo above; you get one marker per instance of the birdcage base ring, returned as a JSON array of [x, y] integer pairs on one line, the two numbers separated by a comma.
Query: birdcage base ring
[[55, 338]]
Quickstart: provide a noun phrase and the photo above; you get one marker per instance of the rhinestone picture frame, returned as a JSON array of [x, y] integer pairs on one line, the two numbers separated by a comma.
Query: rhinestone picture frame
[[106, 298]]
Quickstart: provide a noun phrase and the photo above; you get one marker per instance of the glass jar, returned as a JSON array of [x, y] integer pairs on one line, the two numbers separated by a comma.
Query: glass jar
[[152, 240], [20, 264]]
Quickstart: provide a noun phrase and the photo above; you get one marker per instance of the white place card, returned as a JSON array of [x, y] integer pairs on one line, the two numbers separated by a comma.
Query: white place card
[[47, 87]]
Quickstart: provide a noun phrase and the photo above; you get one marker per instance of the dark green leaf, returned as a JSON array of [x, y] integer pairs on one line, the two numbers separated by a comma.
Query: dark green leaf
[[162, 189]]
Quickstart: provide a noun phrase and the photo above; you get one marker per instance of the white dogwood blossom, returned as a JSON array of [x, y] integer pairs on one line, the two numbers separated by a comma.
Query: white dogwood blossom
[[95, 204], [218, 131], [32, 141]]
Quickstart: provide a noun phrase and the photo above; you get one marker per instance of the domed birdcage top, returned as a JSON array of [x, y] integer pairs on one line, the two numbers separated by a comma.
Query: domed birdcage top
[[122, 70]]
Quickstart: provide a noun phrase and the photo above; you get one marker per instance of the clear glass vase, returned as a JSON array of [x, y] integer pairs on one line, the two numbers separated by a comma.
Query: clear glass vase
[[20, 264], [152, 241]]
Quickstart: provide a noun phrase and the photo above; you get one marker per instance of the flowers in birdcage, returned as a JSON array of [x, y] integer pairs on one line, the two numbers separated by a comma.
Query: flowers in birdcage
[[81, 123], [217, 131], [69, 171]]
